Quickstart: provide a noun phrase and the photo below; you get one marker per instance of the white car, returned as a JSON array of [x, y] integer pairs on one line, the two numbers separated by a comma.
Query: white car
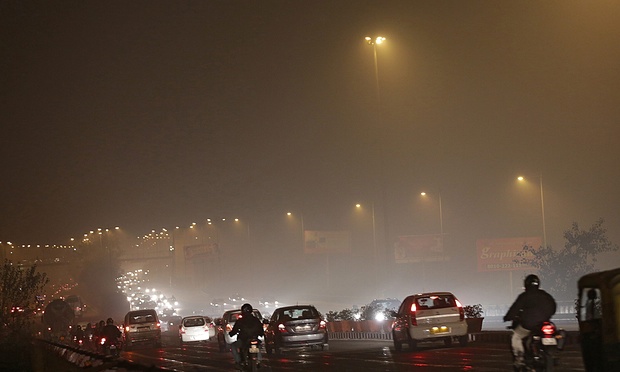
[[429, 317], [194, 328]]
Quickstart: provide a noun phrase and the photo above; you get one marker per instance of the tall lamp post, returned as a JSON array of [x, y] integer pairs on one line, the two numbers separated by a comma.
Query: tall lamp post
[[542, 207], [378, 40], [374, 42], [301, 220], [440, 214], [374, 242]]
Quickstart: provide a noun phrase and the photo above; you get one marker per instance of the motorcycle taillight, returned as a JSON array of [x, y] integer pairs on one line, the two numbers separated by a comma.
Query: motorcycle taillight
[[548, 329]]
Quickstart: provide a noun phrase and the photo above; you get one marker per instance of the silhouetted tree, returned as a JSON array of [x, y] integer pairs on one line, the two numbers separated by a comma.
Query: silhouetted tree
[[560, 270], [18, 287]]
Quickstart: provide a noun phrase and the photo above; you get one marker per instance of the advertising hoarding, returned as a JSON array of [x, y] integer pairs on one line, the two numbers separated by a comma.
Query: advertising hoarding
[[327, 242], [502, 254], [419, 248]]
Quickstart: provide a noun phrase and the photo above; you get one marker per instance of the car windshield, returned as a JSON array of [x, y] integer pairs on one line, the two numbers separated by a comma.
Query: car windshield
[[194, 322], [435, 302]]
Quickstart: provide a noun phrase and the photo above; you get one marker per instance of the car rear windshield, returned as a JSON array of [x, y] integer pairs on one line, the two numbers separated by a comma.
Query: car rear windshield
[[137, 318], [298, 313], [233, 317], [194, 322], [435, 302]]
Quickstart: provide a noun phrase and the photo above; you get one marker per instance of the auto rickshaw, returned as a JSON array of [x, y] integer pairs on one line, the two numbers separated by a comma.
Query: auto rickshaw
[[598, 313]]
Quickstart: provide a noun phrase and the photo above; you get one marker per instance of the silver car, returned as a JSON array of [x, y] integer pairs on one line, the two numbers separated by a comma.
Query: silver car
[[295, 326], [142, 326]]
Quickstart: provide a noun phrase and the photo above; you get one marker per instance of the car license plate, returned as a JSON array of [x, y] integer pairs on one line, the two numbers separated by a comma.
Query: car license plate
[[439, 330], [303, 328], [549, 341], [254, 349]]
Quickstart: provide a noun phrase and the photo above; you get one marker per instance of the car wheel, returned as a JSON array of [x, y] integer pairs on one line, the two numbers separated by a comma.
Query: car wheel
[[398, 345], [447, 341], [463, 340], [413, 344]]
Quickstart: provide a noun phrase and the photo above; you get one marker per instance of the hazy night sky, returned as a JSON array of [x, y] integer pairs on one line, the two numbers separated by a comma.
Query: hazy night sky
[[145, 114]]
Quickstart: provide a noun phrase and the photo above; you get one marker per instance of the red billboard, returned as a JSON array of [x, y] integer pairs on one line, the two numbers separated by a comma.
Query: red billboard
[[503, 254]]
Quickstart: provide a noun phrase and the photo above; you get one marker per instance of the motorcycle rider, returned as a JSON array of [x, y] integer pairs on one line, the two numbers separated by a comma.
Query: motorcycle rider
[[111, 333], [531, 308], [247, 327]]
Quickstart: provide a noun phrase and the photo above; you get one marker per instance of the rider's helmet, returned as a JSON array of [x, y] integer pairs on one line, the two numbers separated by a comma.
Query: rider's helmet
[[246, 308], [110, 321], [531, 282]]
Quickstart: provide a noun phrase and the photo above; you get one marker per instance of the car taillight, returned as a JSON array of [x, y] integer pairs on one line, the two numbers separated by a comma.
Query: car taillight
[[158, 325], [281, 328], [461, 310], [127, 329], [102, 340], [414, 320], [548, 329], [228, 328], [322, 324]]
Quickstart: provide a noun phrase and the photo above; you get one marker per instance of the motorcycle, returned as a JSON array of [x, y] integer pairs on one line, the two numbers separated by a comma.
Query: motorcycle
[[109, 347], [541, 348], [79, 341], [250, 356]]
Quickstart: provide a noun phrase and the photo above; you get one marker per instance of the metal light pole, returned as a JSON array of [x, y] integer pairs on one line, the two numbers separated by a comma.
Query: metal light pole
[[542, 207], [374, 243], [301, 220], [374, 42]]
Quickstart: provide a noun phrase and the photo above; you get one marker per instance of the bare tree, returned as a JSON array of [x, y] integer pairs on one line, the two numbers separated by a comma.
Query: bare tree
[[560, 270]]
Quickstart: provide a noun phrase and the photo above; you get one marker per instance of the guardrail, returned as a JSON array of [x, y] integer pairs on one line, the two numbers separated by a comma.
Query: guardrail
[[78, 359], [502, 337]]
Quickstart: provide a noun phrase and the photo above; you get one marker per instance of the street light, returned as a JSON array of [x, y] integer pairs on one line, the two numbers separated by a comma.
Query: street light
[[440, 214], [301, 221], [374, 42], [542, 207], [374, 242]]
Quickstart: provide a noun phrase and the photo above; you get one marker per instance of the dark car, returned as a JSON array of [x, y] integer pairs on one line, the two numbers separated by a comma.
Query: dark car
[[295, 326]]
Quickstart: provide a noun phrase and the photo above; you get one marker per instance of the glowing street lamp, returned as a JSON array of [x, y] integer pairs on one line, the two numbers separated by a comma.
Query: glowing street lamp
[[374, 241], [440, 213], [301, 222], [542, 206], [374, 42]]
